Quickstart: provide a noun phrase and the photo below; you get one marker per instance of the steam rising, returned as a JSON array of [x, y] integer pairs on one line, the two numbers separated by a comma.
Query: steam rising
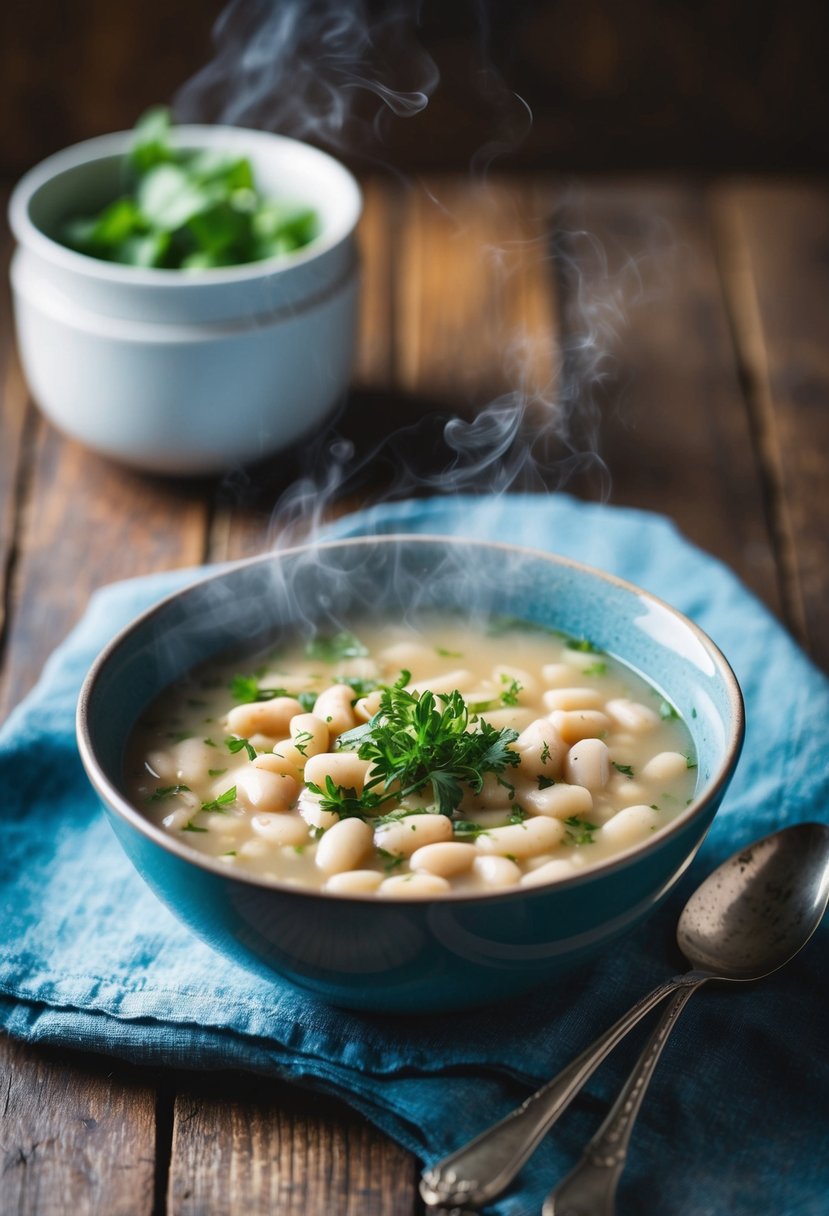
[[337, 74], [319, 70]]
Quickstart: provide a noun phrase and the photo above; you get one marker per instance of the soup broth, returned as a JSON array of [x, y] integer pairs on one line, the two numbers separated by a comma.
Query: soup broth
[[406, 761]]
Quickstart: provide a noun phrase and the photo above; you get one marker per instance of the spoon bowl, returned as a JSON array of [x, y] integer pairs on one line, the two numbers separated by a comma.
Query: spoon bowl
[[759, 908], [747, 919]]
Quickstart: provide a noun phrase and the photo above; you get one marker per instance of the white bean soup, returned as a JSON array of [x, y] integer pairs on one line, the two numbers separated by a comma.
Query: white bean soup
[[406, 761]]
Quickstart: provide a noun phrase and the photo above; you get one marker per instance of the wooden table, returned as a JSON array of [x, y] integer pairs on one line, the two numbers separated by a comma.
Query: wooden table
[[712, 408]]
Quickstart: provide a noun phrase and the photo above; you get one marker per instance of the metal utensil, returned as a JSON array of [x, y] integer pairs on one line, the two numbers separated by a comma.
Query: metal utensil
[[748, 918]]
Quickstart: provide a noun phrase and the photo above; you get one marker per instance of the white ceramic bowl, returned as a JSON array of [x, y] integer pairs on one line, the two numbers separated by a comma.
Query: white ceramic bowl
[[186, 372]]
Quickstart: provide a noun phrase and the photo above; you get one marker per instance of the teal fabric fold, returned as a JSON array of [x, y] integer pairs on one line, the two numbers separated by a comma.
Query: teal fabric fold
[[736, 1120]]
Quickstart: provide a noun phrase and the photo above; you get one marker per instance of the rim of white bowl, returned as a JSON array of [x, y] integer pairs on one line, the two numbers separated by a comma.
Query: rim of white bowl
[[116, 799], [116, 143]]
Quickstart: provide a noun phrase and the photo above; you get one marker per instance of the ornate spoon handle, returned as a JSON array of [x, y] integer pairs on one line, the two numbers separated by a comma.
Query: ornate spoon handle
[[482, 1169], [590, 1189]]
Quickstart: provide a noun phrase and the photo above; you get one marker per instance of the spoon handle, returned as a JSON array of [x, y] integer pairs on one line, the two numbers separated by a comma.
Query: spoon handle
[[590, 1188], [475, 1174]]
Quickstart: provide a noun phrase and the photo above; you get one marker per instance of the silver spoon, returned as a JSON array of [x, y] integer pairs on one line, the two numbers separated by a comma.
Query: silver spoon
[[748, 918]]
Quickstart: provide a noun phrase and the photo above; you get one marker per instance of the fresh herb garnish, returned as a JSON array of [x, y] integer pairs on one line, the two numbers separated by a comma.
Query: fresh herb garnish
[[188, 210], [246, 689], [517, 815], [583, 646], [301, 741], [391, 861], [544, 783], [596, 669], [690, 762], [625, 769], [579, 831], [330, 648], [666, 710], [219, 804], [168, 791], [193, 827], [216, 772], [234, 744]]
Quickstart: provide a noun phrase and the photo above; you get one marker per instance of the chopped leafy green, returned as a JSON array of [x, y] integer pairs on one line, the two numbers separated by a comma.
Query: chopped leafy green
[[216, 772], [188, 210], [624, 769], [234, 744], [666, 710], [583, 645], [219, 804], [596, 669], [330, 648], [544, 783], [391, 861], [448, 654], [193, 827], [168, 791], [579, 831]]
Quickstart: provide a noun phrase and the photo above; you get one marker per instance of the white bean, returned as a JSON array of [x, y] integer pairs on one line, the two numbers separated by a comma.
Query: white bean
[[313, 814], [522, 839], [283, 761], [559, 801], [446, 859], [345, 769], [541, 749], [664, 767], [572, 698], [293, 758], [448, 681], [576, 724], [266, 791], [625, 791], [408, 834], [334, 706], [344, 846], [557, 675], [514, 717], [280, 829], [493, 794], [632, 824], [497, 871], [549, 872], [632, 716], [503, 675], [368, 706], [309, 735], [269, 718], [353, 882], [404, 886], [588, 764]]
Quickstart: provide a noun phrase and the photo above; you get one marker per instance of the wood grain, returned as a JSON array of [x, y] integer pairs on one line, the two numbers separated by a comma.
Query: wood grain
[[775, 250], [85, 523], [75, 1136], [269, 1148], [674, 429]]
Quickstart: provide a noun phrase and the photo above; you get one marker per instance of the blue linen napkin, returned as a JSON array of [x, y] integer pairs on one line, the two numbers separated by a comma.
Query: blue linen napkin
[[736, 1120]]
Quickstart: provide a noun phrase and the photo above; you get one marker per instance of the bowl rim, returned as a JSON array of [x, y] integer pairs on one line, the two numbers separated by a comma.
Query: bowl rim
[[116, 800], [115, 143]]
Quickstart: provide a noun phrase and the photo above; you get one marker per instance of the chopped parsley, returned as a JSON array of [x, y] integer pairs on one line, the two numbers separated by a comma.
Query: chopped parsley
[[596, 669], [193, 827], [168, 791], [544, 783], [219, 804], [625, 769], [246, 689], [579, 831], [301, 741], [448, 654], [234, 744], [391, 861], [330, 648], [216, 772], [666, 711]]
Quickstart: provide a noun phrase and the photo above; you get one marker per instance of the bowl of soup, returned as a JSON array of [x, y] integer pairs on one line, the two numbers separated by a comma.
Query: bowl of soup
[[186, 370], [411, 773]]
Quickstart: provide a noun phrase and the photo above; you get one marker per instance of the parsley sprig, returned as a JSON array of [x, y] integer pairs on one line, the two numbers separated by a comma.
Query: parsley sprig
[[416, 741]]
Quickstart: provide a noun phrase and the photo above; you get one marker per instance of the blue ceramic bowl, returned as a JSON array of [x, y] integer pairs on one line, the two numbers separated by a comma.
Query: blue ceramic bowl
[[411, 955]]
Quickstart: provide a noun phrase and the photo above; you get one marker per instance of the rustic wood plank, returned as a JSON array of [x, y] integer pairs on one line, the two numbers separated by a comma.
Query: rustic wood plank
[[74, 1136], [775, 244], [271, 1149], [476, 317], [674, 429], [15, 421], [87, 522]]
